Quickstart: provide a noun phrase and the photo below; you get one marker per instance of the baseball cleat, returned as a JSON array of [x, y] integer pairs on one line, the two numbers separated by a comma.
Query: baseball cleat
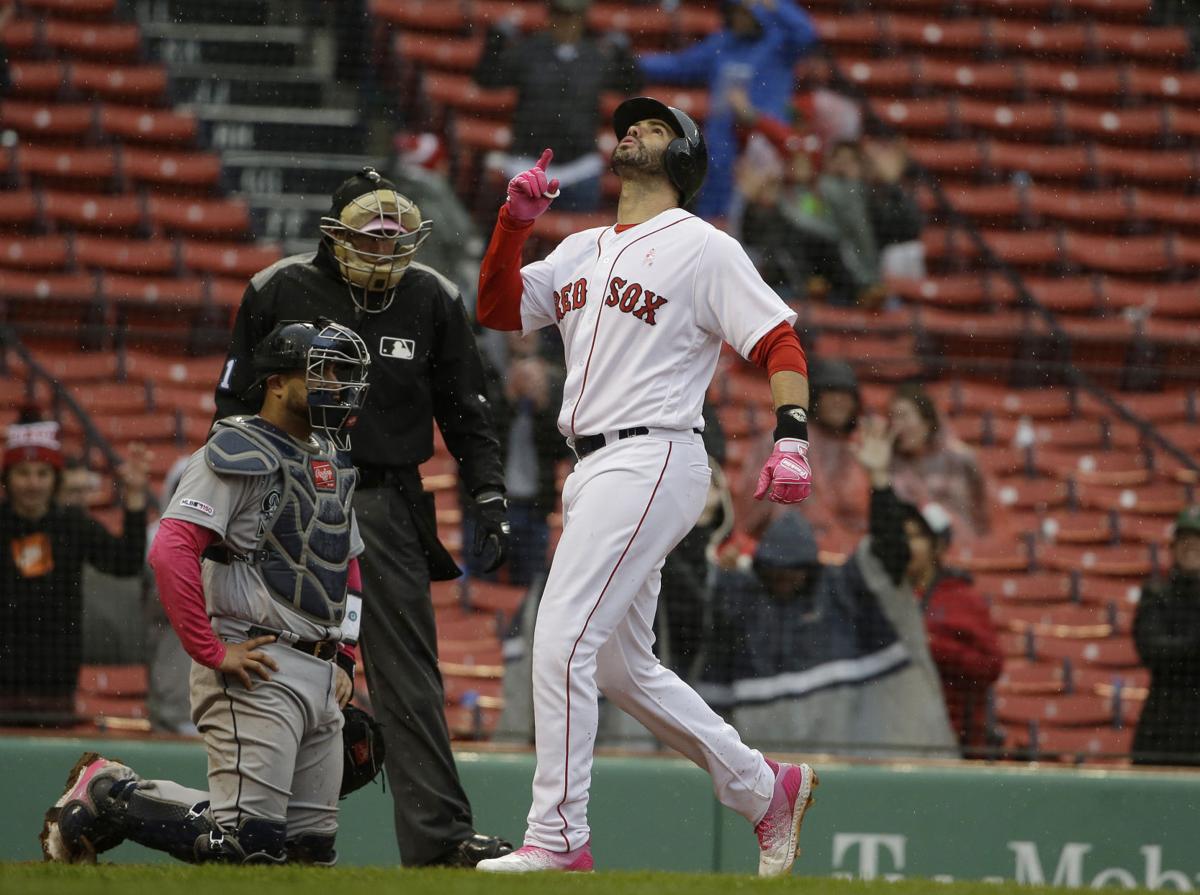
[[779, 830], [532, 859], [75, 829]]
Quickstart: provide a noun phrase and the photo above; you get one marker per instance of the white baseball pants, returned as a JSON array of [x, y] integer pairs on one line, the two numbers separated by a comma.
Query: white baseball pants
[[625, 507]]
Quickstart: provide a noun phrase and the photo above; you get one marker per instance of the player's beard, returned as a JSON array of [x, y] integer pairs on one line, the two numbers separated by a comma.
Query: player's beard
[[637, 162]]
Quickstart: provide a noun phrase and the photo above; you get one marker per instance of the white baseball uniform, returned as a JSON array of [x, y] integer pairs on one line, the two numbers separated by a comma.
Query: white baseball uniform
[[642, 313]]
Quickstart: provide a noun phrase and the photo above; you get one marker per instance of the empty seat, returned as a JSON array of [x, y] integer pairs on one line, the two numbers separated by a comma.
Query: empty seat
[[111, 398], [149, 427], [995, 78], [1172, 86], [1040, 39], [1069, 295], [39, 121], [1157, 299], [1177, 167], [95, 167], [1154, 498], [22, 38], [436, 52], [1078, 528], [1100, 82], [1021, 677], [151, 256], [114, 41], [1116, 469], [1082, 744], [163, 168], [199, 373], [1030, 494], [1121, 255], [1113, 652], [1002, 201], [129, 83], [1115, 125], [1158, 45], [231, 259], [34, 252], [1067, 620], [994, 556], [961, 158], [130, 123], [1027, 587], [1011, 120], [36, 78], [200, 217], [87, 211], [42, 288], [1087, 208], [1037, 404], [461, 92], [855, 30], [886, 77], [72, 9], [938, 35], [148, 291], [481, 135], [1080, 710], [76, 366], [1170, 209], [420, 15], [1074, 434], [1051, 162], [18, 209], [1121, 560]]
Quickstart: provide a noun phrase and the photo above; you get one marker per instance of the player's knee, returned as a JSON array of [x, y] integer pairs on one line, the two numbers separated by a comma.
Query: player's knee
[[312, 848], [255, 841], [612, 678], [551, 656]]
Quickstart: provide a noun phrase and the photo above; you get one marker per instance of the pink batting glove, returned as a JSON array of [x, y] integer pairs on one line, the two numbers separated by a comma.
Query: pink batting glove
[[786, 477], [530, 192]]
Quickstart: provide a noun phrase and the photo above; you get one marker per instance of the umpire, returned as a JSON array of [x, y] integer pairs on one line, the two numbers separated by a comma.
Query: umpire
[[424, 367]]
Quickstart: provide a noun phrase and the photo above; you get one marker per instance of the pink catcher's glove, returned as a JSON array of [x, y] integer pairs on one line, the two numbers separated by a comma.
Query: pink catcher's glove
[[530, 192], [786, 477]]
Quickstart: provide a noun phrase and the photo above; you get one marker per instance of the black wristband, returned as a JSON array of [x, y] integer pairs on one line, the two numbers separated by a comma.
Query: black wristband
[[791, 421], [346, 663]]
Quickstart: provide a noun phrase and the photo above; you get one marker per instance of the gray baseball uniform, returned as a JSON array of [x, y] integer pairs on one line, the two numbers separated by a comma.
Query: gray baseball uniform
[[281, 509]]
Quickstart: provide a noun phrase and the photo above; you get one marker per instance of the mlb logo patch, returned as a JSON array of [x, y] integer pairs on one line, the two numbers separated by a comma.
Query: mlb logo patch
[[393, 346], [323, 475]]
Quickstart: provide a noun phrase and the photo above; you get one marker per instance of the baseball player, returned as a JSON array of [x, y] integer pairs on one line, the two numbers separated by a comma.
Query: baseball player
[[256, 564], [642, 307]]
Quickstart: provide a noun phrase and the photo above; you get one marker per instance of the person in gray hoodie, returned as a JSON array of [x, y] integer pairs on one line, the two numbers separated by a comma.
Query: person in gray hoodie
[[815, 656]]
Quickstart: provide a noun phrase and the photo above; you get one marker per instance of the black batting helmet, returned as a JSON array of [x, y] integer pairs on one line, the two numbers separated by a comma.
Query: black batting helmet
[[686, 158]]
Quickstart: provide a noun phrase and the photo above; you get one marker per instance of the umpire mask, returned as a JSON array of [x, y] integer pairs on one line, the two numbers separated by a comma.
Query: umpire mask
[[373, 232]]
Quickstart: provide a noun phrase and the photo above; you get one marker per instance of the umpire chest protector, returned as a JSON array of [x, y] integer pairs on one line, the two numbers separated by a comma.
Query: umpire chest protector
[[303, 546]]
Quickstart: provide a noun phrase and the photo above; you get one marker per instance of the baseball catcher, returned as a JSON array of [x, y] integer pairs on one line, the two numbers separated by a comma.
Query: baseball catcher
[[257, 569]]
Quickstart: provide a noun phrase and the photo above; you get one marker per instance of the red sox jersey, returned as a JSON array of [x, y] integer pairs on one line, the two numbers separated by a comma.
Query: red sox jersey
[[642, 314]]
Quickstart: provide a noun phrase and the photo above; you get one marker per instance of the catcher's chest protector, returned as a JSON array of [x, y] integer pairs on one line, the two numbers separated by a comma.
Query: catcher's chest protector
[[303, 549]]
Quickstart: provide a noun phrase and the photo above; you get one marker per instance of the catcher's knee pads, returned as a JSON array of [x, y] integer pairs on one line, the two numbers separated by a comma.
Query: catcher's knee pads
[[312, 848]]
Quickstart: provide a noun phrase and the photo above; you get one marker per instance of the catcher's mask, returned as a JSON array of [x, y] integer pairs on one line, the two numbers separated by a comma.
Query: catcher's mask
[[334, 360], [373, 232]]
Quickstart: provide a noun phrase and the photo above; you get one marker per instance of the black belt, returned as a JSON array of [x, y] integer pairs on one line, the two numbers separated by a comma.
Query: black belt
[[322, 649], [375, 476], [589, 444]]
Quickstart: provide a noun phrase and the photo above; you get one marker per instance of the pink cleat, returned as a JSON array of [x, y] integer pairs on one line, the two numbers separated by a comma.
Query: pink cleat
[[779, 830], [533, 859], [84, 822]]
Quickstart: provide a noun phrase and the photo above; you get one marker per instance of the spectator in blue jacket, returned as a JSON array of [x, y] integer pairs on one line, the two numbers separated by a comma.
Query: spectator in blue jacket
[[757, 50]]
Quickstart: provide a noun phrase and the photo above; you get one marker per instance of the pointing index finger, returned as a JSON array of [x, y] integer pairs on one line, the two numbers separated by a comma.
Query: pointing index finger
[[546, 158]]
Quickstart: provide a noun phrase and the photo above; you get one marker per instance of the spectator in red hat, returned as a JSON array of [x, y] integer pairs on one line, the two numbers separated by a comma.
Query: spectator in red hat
[[42, 550]]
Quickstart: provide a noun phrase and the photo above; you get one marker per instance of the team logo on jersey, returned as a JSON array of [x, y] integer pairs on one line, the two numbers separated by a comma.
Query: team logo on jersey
[[393, 346], [570, 297], [199, 505], [270, 503], [323, 475], [632, 298]]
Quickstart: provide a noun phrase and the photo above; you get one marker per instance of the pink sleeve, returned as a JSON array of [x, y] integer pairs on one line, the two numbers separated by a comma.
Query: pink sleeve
[[175, 558]]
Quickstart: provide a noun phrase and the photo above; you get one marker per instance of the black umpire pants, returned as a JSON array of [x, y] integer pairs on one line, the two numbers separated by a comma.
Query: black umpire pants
[[399, 641]]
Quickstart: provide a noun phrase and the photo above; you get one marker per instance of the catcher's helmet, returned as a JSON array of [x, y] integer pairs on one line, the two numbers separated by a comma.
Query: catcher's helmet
[[334, 360], [686, 157], [367, 205]]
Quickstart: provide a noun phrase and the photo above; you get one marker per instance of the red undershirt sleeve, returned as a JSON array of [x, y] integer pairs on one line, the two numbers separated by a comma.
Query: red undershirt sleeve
[[175, 559], [500, 285], [778, 350]]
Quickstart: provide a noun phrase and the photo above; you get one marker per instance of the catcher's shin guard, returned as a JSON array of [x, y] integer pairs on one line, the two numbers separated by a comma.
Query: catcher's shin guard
[[87, 818], [312, 848]]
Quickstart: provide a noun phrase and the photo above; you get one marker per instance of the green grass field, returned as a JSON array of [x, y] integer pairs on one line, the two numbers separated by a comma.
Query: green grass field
[[112, 879]]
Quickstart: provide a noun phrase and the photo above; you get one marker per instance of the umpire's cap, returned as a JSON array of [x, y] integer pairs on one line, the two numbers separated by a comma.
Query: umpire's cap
[[686, 157]]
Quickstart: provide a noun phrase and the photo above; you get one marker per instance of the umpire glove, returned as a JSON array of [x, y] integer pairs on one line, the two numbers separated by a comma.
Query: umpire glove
[[492, 531]]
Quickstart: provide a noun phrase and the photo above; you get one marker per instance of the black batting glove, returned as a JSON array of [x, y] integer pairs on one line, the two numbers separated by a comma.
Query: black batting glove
[[492, 531]]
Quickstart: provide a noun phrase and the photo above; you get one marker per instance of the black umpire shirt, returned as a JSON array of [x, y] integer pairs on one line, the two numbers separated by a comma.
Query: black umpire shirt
[[424, 364]]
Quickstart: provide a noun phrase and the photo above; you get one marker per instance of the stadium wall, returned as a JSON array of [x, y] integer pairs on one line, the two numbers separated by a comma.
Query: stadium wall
[[1062, 826]]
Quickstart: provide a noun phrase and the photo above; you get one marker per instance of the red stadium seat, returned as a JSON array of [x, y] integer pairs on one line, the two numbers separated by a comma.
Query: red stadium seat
[[76, 366], [36, 78], [72, 9], [1052, 162], [1027, 587], [1168, 46], [1171, 86], [34, 253], [18, 209], [55, 121], [1003, 202], [1064, 620], [882, 77], [1115, 469], [994, 556], [481, 135], [111, 398], [1070, 295], [147, 256], [43, 288], [133, 124], [1157, 499], [1082, 710], [1030, 494], [22, 38], [131, 84], [961, 158], [420, 15], [529, 17], [1158, 299], [113, 41], [231, 259], [1067, 80], [1123, 560], [1143, 126], [1101, 744], [1076, 434], [87, 211], [167, 293], [1141, 166], [1120, 255], [978, 79], [1081, 208], [168, 169], [1167, 209], [95, 167], [462, 93], [1113, 652], [855, 30], [1110, 10], [946, 36], [439, 53], [1040, 40], [1078, 528], [1012, 121], [200, 217], [1024, 678]]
